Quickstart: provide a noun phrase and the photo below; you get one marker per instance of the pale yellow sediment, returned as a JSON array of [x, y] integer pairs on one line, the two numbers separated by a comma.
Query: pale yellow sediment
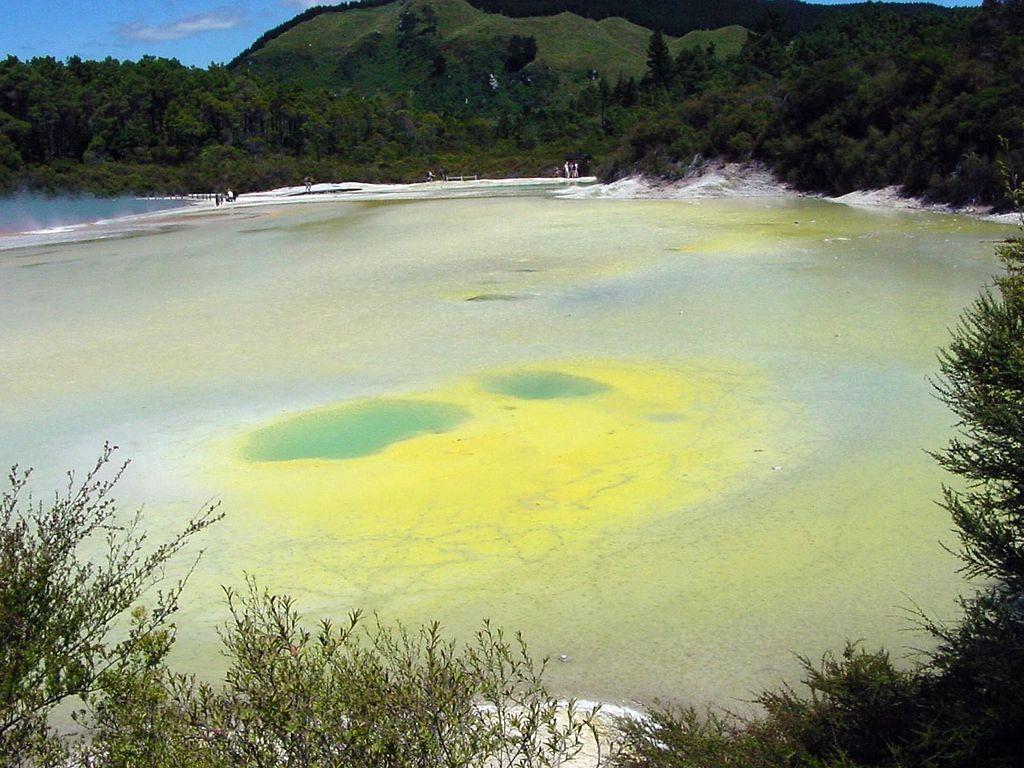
[[519, 477]]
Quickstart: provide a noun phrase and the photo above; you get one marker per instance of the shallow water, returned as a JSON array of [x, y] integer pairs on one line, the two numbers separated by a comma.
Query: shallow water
[[543, 385], [353, 430], [24, 212], [693, 444]]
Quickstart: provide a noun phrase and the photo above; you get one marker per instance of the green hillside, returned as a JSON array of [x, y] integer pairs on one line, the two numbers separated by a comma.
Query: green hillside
[[450, 42]]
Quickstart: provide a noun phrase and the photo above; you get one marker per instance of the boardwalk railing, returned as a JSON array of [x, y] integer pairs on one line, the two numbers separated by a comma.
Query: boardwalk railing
[[203, 196], [199, 196], [474, 177]]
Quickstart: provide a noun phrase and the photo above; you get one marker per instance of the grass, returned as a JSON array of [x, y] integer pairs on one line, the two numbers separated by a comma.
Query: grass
[[358, 47]]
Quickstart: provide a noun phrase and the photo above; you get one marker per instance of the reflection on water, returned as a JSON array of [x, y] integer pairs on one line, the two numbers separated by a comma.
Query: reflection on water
[[696, 448]]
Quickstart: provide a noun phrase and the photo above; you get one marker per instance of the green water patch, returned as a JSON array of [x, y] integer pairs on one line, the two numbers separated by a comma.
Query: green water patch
[[543, 385], [499, 297], [351, 431]]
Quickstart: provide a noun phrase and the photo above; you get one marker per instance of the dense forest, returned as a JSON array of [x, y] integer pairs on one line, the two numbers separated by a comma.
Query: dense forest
[[869, 98]]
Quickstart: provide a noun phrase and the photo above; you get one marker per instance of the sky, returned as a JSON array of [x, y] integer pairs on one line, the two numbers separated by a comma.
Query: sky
[[196, 32]]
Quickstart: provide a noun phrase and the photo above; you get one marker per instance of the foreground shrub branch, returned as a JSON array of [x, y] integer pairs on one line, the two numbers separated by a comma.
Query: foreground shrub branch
[[358, 694], [59, 608]]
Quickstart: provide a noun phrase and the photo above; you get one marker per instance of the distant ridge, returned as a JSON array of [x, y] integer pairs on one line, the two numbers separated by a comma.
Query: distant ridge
[[306, 15], [450, 54], [674, 17], [677, 17]]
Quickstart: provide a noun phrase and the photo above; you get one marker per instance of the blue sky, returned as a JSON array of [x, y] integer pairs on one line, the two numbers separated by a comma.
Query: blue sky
[[194, 31]]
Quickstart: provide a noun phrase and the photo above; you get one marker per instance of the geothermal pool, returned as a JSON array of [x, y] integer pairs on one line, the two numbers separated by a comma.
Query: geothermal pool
[[672, 441]]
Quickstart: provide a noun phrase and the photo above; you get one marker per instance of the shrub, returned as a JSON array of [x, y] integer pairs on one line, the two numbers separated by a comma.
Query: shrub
[[358, 694], [58, 610], [976, 689], [857, 712]]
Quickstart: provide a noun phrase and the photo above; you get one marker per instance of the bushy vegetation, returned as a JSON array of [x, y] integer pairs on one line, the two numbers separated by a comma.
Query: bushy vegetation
[[979, 665], [69, 569], [349, 695], [859, 711]]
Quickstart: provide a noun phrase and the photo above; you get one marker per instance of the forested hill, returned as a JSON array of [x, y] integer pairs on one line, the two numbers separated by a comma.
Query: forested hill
[[445, 52], [869, 99], [672, 17]]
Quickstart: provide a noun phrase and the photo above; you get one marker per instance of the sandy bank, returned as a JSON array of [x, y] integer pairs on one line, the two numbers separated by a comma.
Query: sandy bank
[[739, 180], [432, 190], [892, 198], [715, 180], [599, 743], [193, 211]]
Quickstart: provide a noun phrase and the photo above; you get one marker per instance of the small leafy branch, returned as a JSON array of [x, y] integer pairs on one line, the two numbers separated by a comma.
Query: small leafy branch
[[58, 609], [357, 694]]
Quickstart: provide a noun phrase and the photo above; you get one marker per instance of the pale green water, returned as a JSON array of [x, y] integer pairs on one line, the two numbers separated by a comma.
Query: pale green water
[[746, 477], [350, 431], [543, 385]]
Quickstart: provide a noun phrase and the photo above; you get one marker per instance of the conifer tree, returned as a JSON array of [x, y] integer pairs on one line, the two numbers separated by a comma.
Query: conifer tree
[[979, 664], [659, 62]]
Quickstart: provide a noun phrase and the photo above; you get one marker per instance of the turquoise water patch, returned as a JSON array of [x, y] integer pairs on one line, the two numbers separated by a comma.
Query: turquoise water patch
[[543, 385], [499, 297], [350, 431]]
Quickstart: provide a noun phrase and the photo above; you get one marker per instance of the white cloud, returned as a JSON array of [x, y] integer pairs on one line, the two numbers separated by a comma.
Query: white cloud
[[213, 21], [304, 4]]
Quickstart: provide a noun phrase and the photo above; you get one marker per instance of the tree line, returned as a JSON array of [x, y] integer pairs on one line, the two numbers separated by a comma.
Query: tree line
[[868, 99], [157, 125]]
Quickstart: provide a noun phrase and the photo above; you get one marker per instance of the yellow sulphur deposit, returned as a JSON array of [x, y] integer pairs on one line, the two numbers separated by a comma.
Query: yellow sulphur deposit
[[501, 469]]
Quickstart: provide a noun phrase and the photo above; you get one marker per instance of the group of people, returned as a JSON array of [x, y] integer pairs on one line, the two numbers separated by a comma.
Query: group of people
[[571, 169], [224, 197]]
